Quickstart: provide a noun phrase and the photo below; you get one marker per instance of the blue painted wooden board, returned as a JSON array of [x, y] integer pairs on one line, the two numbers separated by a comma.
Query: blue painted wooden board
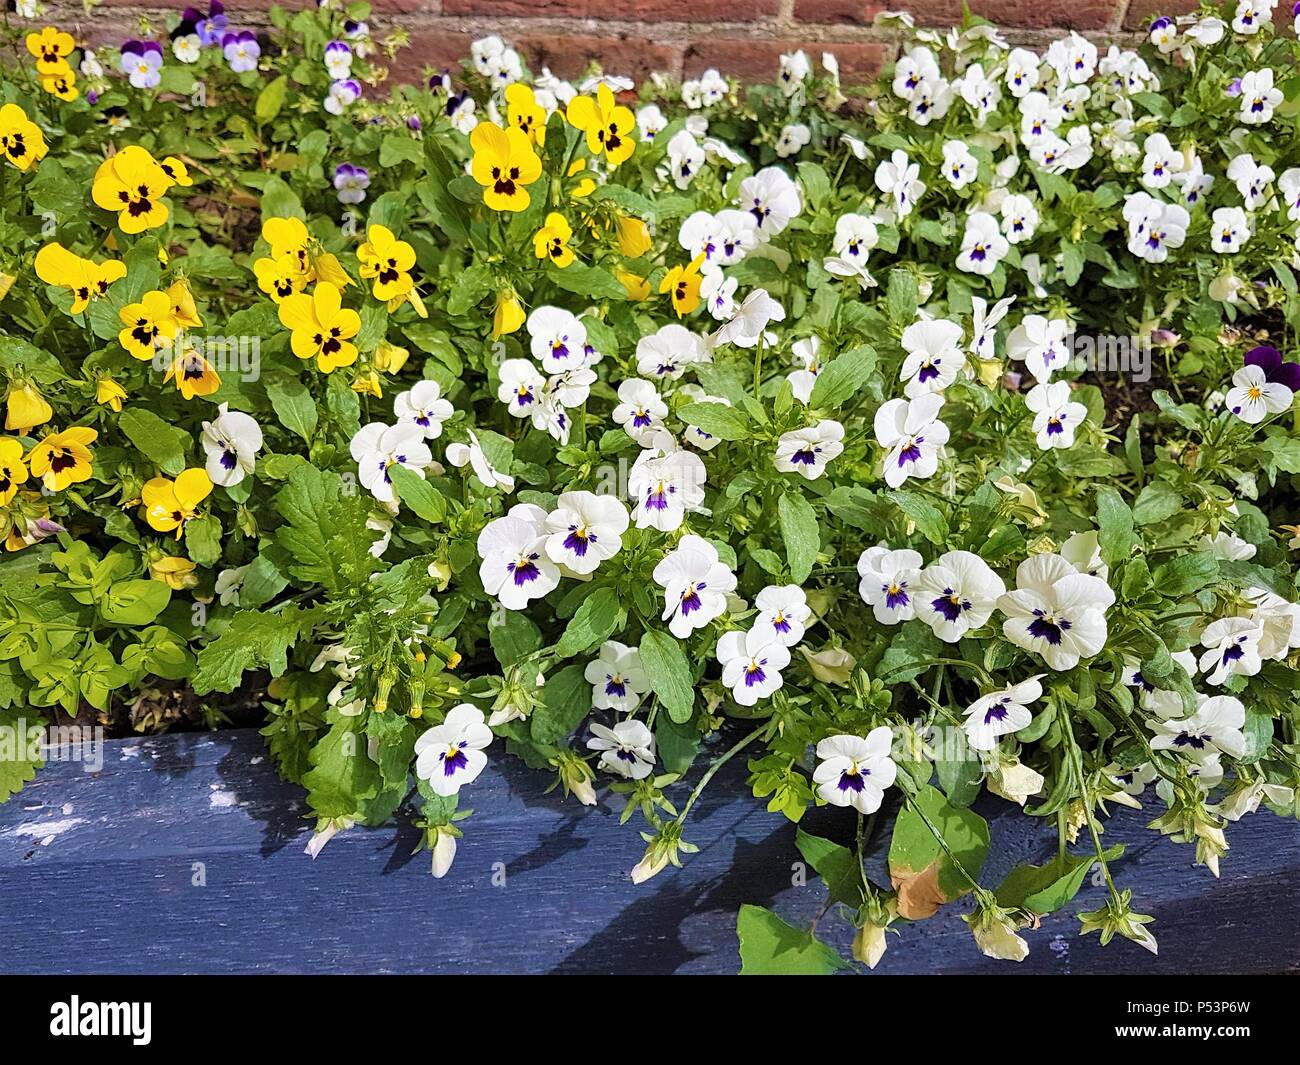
[[97, 871]]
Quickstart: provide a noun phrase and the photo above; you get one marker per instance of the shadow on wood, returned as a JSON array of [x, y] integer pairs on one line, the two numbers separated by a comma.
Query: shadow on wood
[[185, 854]]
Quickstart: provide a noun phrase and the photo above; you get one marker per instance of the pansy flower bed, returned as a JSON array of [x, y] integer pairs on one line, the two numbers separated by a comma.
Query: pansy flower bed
[[910, 442]]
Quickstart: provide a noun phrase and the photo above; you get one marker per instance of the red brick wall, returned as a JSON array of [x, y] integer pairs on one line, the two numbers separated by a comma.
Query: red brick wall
[[680, 37]]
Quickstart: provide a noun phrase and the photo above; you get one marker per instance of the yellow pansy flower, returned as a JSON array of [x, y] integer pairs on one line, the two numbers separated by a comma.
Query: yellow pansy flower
[[638, 288], [63, 458], [51, 48], [170, 504], [12, 471], [108, 393], [607, 123], [682, 283], [176, 171], [21, 140], [552, 240], [633, 237], [25, 408], [280, 276], [389, 358], [504, 163], [368, 384], [587, 185], [184, 313], [325, 266], [287, 235], [321, 327], [132, 183], [175, 572], [193, 374], [524, 113], [85, 279], [146, 323], [388, 261], [508, 315], [62, 85]]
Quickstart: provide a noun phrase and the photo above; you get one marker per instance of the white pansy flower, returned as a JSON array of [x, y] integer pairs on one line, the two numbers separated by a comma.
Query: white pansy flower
[[1056, 416], [959, 167], [898, 178], [746, 327], [618, 679], [772, 199], [665, 484], [1056, 611], [854, 771], [783, 613], [423, 406], [912, 435], [1232, 648], [1000, 713], [1258, 97], [806, 451], [1214, 729], [1253, 397], [1229, 230], [557, 339], [751, 664], [515, 567], [1019, 218], [627, 749], [450, 755], [982, 245], [377, 447], [887, 582], [640, 410], [695, 584], [934, 356], [521, 387], [956, 593], [794, 136], [1041, 344], [984, 323], [584, 530], [806, 354], [668, 351], [231, 444]]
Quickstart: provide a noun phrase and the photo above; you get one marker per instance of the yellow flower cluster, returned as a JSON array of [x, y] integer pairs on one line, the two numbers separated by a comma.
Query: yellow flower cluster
[[51, 47]]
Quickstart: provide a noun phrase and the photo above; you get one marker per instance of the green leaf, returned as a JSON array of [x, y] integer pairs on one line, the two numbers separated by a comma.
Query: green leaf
[[835, 864], [927, 518], [342, 777], [293, 405], [270, 100], [590, 282], [770, 947], [669, 674], [397, 147], [513, 635], [566, 700], [326, 534], [716, 419], [841, 378], [253, 640], [1115, 521], [203, 540], [1156, 502], [134, 602], [418, 494], [20, 750], [1184, 574], [1044, 889], [800, 532], [598, 615], [162, 444], [919, 867]]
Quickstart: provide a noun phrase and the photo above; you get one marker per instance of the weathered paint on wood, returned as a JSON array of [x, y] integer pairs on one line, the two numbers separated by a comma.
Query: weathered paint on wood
[[100, 872]]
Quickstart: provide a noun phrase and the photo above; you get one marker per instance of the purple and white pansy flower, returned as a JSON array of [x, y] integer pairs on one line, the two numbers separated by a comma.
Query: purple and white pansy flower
[[627, 749], [934, 356], [351, 182], [1055, 611], [912, 435], [665, 481], [695, 583], [751, 664], [377, 447], [142, 63], [806, 451], [515, 566], [783, 613], [956, 593], [640, 410], [584, 530], [241, 51], [888, 582], [422, 405], [1000, 713], [617, 678], [1231, 649], [854, 771], [231, 443], [1214, 729], [1056, 416], [450, 755], [557, 339]]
